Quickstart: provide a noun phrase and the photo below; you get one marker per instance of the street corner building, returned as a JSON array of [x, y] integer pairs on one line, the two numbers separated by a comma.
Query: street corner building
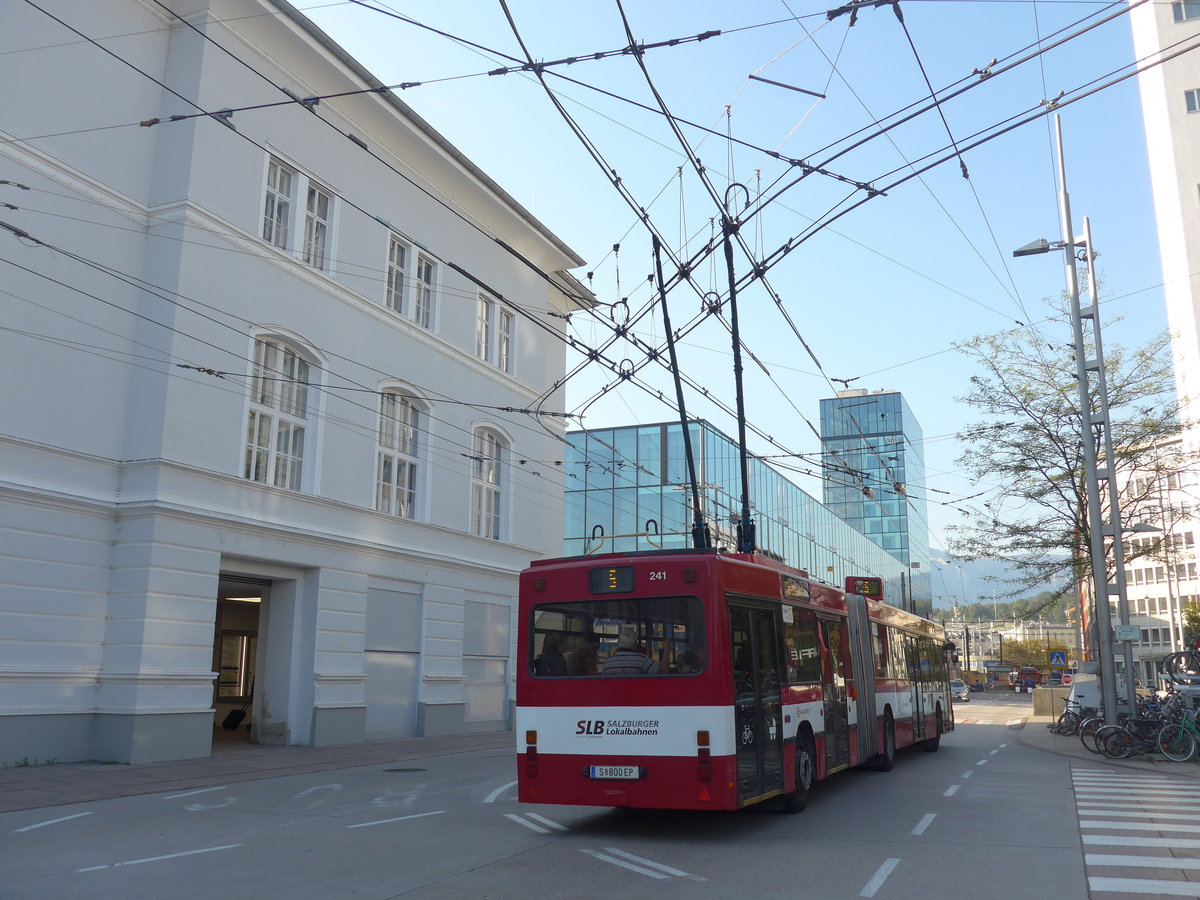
[[264, 445]]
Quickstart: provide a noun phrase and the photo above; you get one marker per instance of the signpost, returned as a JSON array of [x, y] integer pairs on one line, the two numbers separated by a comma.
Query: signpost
[[1127, 633]]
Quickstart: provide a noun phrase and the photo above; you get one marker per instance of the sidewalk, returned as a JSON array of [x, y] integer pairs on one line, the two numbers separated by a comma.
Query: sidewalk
[[1036, 733], [32, 787]]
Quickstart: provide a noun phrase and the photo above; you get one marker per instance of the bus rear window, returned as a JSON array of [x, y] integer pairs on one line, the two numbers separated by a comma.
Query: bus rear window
[[617, 637]]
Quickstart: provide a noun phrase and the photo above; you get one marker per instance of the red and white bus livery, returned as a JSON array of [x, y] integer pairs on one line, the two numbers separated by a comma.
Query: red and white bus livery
[[698, 679]]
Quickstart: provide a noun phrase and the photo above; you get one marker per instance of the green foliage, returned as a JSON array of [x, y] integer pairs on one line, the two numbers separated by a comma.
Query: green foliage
[[1046, 605], [1191, 623], [1029, 445], [1025, 653]]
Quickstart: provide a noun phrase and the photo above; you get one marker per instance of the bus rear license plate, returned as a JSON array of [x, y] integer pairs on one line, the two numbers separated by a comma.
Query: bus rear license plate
[[623, 773]]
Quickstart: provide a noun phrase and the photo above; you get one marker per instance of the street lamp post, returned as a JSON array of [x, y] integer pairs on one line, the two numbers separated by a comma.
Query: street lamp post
[[1093, 412]]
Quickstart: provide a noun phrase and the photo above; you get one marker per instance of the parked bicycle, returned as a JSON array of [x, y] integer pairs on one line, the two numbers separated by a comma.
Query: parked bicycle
[[1177, 741]]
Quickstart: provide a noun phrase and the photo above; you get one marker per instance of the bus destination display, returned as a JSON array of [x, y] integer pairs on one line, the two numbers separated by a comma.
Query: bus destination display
[[611, 579]]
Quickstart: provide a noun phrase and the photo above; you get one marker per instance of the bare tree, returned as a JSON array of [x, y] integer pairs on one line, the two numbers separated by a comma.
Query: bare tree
[[1028, 446]]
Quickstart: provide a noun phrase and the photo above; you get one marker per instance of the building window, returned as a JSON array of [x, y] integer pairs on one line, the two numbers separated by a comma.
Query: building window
[[399, 444], [316, 227], [278, 416], [284, 185], [1183, 10], [278, 209], [495, 328], [485, 311], [1192, 99], [424, 288], [396, 278], [487, 484], [504, 341]]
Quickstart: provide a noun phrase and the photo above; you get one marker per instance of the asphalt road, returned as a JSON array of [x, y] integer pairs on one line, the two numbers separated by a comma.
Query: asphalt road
[[982, 818]]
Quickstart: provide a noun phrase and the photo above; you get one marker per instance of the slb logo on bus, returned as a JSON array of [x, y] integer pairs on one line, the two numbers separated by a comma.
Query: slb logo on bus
[[617, 726]]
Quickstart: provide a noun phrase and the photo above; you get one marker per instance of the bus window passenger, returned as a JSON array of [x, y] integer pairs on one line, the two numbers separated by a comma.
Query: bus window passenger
[[628, 658], [551, 662]]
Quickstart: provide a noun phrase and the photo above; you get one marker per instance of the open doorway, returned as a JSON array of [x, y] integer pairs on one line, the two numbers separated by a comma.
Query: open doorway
[[235, 657]]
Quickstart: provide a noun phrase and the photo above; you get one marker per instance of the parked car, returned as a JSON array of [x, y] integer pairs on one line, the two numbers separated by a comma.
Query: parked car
[[960, 691]]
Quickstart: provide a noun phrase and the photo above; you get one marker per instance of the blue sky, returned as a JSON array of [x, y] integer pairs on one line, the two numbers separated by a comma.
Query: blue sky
[[882, 294]]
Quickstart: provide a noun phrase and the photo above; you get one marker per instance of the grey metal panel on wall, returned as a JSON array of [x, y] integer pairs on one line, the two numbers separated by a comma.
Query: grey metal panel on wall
[[393, 621], [486, 629]]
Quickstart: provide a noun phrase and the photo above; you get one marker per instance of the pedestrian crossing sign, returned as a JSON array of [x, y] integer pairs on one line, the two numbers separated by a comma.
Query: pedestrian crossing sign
[[1057, 658]]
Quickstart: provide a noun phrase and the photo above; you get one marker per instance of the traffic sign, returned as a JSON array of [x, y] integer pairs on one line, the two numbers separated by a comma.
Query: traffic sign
[[1057, 658], [1127, 633], [1066, 678]]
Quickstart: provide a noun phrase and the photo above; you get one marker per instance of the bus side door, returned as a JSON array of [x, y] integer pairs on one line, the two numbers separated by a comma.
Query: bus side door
[[837, 713], [758, 720]]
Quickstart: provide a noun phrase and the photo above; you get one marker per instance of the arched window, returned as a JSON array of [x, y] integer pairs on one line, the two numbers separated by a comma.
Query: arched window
[[277, 421], [487, 483], [400, 424]]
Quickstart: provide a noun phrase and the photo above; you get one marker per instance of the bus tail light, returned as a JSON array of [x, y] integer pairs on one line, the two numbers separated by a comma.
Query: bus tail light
[[704, 756], [531, 767]]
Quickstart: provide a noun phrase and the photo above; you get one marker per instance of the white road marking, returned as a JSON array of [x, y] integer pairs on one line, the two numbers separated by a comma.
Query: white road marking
[[1122, 840], [1161, 805], [492, 797], [967, 774], [196, 807], [550, 822], [1140, 826], [982, 762], [51, 822], [219, 787], [135, 862], [1125, 814], [993, 752], [1129, 886], [530, 825], [880, 876], [1002, 746], [925, 822], [1147, 862], [331, 789], [397, 819], [678, 873], [625, 865], [951, 791]]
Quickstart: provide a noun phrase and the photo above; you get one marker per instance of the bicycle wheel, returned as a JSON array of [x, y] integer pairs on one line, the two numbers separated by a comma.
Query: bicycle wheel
[[1087, 732], [1068, 722], [1115, 742], [1176, 743]]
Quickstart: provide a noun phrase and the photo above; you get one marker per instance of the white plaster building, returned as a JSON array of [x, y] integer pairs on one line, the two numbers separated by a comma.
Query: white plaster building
[[256, 369], [1170, 95]]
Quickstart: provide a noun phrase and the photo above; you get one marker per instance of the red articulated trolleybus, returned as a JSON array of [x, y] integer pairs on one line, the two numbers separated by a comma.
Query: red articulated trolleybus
[[702, 679]]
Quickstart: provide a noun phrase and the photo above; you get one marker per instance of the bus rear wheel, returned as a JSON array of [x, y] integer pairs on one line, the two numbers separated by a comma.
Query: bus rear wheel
[[887, 756], [932, 744], [806, 776]]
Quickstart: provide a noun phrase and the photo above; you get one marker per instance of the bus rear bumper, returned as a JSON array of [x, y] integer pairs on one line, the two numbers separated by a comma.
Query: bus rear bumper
[[660, 782]]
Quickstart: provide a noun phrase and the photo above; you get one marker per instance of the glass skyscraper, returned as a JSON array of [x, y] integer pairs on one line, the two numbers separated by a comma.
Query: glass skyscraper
[[874, 470], [627, 489]]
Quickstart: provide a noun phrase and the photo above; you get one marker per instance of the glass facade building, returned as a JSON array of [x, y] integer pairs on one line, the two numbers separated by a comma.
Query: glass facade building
[[872, 455], [627, 489]]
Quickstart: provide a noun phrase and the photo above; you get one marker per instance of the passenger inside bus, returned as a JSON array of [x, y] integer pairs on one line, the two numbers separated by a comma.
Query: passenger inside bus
[[691, 661], [629, 658], [551, 661]]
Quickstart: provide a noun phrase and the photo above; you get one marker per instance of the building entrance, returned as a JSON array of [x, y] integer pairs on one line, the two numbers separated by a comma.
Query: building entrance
[[235, 658]]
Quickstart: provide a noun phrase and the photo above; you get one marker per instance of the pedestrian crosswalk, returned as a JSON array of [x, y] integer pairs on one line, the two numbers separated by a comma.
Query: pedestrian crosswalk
[[1140, 832], [971, 720]]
